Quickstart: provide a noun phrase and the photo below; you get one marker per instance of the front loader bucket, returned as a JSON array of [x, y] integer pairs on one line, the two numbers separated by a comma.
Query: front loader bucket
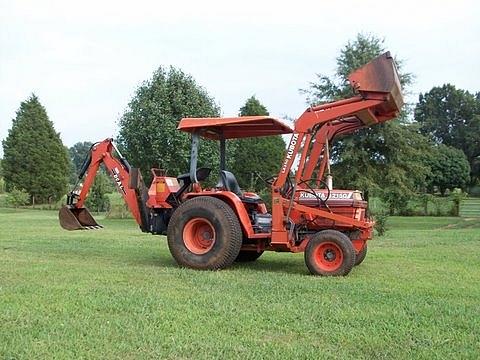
[[72, 218], [379, 80]]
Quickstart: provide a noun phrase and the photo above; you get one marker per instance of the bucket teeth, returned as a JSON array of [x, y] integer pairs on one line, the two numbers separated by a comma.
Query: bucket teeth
[[95, 227]]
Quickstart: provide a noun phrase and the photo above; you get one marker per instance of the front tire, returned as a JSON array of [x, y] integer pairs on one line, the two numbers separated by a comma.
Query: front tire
[[361, 255], [330, 253], [204, 233]]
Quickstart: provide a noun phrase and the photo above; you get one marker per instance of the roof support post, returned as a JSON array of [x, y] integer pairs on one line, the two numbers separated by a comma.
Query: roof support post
[[222, 153], [194, 158]]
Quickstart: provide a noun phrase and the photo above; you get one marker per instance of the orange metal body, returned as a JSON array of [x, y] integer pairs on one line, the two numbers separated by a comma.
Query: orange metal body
[[379, 100], [158, 193], [160, 189], [216, 128], [102, 153], [298, 211]]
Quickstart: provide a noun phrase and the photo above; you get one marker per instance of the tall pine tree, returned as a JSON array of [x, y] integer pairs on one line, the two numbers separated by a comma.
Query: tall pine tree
[[34, 157], [261, 155]]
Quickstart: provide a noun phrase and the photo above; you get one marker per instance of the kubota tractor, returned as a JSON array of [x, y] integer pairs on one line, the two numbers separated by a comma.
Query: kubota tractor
[[211, 227]]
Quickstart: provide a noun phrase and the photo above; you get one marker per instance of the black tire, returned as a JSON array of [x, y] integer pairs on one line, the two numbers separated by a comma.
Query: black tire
[[248, 256], [361, 255], [216, 250], [330, 253]]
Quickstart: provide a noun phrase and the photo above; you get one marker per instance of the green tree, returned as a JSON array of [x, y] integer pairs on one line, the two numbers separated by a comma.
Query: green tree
[[449, 169], [354, 55], [78, 153], [34, 156], [148, 134], [16, 198], [253, 107], [451, 116], [97, 199], [2, 182], [384, 159], [252, 156]]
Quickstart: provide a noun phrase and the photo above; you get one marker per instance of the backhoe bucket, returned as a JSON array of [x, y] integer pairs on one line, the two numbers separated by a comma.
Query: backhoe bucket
[[379, 80], [72, 218]]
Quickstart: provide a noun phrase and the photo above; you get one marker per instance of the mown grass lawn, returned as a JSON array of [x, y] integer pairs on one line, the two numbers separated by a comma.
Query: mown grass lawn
[[116, 293]]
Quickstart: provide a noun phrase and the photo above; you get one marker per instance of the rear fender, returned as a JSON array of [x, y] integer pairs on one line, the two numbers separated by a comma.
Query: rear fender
[[235, 203]]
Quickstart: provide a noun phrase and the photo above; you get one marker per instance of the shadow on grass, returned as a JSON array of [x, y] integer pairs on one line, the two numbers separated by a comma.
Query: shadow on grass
[[270, 264], [156, 260], [146, 255], [275, 265]]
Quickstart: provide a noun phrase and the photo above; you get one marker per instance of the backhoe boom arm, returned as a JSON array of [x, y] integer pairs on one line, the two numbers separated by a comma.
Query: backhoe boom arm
[[119, 170]]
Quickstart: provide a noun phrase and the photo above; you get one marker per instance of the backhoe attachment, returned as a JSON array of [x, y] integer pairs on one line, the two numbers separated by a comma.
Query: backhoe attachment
[[75, 216]]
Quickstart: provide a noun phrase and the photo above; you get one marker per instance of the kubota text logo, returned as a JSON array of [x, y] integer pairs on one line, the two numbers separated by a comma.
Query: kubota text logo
[[290, 150]]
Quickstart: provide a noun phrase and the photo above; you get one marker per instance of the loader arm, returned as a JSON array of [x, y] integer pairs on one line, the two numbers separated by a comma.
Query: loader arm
[[378, 99], [75, 216]]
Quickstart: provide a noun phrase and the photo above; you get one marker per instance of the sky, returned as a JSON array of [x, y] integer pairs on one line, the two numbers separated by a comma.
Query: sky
[[85, 59]]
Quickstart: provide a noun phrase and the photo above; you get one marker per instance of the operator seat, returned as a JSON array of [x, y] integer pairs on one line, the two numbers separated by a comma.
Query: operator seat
[[229, 182]]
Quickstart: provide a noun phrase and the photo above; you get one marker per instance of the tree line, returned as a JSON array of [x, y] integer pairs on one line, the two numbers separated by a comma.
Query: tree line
[[433, 147]]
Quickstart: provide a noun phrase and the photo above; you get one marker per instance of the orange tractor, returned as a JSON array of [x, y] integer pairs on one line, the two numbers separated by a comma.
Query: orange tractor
[[211, 227]]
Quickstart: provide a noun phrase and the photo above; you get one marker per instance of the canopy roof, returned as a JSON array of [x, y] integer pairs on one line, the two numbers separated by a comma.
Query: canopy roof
[[235, 127]]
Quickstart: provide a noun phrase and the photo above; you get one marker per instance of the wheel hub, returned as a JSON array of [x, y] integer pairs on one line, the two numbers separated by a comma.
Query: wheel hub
[[329, 255], [199, 236]]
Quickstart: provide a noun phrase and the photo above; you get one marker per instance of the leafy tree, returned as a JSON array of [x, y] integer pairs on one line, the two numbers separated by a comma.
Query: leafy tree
[[78, 152], [253, 107], [252, 156], [148, 134], [97, 199], [451, 116], [34, 156], [385, 158], [449, 169], [16, 198], [354, 55]]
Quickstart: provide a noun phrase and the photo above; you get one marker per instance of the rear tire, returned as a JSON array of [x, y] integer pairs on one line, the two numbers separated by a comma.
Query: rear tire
[[330, 253], [248, 256], [361, 255], [204, 233]]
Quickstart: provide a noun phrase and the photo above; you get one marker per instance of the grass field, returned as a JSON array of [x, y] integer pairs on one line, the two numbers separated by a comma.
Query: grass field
[[116, 293]]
